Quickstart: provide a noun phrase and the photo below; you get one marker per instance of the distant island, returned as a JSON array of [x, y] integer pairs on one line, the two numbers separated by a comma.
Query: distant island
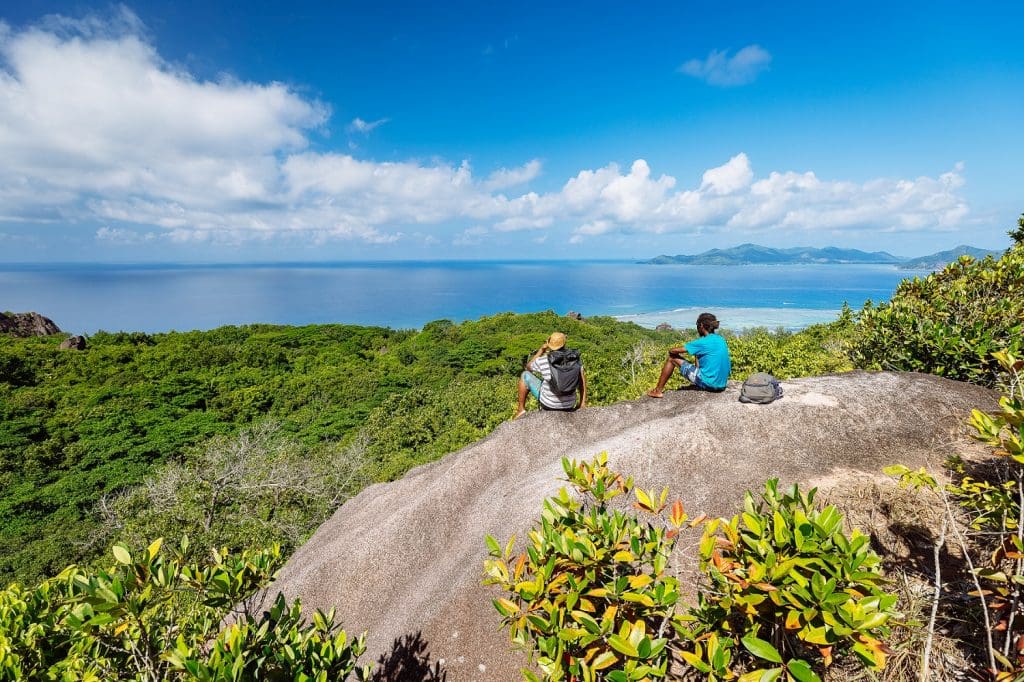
[[944, 258], [755, 254]]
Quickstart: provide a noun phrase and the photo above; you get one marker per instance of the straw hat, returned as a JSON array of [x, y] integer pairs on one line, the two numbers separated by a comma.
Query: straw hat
[[556, 341]]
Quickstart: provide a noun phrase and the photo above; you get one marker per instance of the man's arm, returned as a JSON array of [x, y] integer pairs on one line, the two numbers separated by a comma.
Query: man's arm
[[583, 389], [540, 352]]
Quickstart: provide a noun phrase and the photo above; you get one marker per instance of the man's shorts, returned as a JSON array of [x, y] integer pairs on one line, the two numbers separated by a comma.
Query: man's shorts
[[532, 383], [692, 374]]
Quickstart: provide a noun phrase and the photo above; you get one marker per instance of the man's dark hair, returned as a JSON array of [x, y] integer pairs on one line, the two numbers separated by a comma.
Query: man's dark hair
[[707, 321]]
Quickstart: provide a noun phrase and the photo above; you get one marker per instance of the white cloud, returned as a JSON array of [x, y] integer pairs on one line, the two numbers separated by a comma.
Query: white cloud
[[504, 178], [520, 223], [728, 178], [96, 128], [730, 200], [722, 70], [591, 229], [358, 125], [472, 236]]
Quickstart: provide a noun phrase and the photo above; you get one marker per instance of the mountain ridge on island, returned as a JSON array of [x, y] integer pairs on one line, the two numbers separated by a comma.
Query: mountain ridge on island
[[756, 254]]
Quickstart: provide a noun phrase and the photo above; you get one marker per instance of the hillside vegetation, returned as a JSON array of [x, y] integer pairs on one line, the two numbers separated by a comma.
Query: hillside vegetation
[[248, 436], [206, 418]]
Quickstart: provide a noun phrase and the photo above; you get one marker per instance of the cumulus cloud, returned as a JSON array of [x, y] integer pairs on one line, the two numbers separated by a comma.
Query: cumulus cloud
[[97, 129], [722, 70], [729, 199]]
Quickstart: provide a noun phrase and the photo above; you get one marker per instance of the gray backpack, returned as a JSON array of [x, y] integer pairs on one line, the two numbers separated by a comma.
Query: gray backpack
[[760, 388]]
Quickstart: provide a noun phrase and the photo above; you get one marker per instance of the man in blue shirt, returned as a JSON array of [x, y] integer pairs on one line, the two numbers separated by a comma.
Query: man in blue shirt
[[711, 367]]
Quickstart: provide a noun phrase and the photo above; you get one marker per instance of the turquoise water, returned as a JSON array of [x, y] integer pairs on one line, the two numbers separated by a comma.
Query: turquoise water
[[154, 298]]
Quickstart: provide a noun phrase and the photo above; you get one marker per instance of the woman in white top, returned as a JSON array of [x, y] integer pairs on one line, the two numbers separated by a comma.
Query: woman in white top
[[541, 387]]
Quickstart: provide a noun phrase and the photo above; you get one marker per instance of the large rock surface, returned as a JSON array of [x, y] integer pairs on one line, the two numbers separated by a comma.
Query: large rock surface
[[403, 560], [27, 324]]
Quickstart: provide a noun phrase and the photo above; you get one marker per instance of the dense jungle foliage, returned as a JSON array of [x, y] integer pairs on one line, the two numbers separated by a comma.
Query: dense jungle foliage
[[150, 435], [950, 322]]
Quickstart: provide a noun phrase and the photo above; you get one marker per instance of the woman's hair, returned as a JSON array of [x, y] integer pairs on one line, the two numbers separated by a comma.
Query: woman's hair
[[707, 321]]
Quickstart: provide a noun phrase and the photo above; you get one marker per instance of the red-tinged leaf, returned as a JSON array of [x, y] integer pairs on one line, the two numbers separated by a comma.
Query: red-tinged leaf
[[519, 566], [677, 517], [699, 520]]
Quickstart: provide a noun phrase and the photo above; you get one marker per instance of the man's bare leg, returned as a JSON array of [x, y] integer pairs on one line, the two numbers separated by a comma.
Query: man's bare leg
[[670, 366], [523, 390]]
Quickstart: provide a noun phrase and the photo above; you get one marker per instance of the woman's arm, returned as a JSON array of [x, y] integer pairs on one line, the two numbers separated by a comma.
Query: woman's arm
[[583, 389], [540, 352]]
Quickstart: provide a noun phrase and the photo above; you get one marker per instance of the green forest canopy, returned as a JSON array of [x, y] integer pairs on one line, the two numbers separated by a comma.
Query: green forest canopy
[[75, 426]]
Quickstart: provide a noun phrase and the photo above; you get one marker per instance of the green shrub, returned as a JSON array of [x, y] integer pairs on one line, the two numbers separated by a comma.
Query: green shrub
[[950, 322], [590, 597], [819, 349], [788, 586], [156, 616], [992, 547]]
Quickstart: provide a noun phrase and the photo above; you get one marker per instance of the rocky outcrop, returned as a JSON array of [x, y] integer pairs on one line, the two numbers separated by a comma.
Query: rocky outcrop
[[664, 327], [573, 315], [403, 560], [27, 324]]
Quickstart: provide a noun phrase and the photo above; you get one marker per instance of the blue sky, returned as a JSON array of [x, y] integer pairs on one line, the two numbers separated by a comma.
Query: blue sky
[[205, 131]]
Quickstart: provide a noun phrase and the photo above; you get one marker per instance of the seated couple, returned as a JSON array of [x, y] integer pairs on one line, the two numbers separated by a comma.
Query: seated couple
[[709, 372]]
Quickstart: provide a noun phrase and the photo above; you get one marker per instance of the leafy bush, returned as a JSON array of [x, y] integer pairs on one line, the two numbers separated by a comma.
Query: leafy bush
[[154, 616], [818, 349], [590, 597], [789, 586], [992, 545], [950, 322]]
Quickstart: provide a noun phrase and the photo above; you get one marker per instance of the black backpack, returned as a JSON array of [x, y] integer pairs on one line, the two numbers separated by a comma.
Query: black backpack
[[565, 370], [760, 388]]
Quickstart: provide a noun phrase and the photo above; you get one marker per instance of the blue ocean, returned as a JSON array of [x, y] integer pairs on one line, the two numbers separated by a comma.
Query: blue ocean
[[155, 298]]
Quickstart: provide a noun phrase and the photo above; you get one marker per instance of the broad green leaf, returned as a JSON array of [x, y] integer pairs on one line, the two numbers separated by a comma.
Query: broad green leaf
[[761, 649], [622, 646], [801, 670]]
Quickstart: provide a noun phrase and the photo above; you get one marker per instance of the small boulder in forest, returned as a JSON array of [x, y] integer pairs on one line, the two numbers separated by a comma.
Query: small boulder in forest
[[73, 342]]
